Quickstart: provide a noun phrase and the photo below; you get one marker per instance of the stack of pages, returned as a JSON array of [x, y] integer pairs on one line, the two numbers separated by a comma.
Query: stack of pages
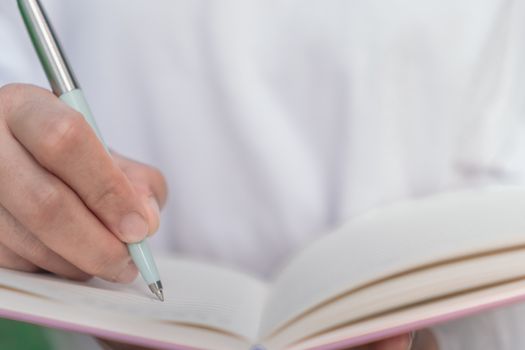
[[402, 267]]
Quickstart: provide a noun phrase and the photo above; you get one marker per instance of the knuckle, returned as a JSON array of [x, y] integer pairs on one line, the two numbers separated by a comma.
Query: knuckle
[[15, 94], [9, 94], [62, 133], [46, 203], [13, 89], [34, 250], [112, 189]]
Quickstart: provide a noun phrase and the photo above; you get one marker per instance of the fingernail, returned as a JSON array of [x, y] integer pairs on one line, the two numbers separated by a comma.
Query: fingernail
[[133, 227], [129, 274], [154, 206], [155, 210]]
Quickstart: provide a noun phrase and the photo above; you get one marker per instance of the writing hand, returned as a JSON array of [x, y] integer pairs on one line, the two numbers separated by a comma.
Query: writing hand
[[66, 205]]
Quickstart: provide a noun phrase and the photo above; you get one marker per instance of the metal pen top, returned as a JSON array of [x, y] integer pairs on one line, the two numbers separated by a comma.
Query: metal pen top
[[47, 47], [66, 88]]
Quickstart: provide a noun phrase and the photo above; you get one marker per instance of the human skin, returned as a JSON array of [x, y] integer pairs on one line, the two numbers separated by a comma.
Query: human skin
[[69, 207], [424, 340], [66, 205]]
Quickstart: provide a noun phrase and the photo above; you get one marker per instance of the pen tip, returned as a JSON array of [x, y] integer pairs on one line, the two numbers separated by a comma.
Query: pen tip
[[160, 294], [157, 289]]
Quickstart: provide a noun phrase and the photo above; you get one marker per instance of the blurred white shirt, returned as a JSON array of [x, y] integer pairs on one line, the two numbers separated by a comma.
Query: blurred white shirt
[[275, 121]]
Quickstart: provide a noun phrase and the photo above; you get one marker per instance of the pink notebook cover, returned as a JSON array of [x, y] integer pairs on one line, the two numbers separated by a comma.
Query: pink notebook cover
[[344, 344]]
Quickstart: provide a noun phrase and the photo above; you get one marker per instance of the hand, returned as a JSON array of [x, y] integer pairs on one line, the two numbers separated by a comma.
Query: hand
[[422, 340], [66, 205]]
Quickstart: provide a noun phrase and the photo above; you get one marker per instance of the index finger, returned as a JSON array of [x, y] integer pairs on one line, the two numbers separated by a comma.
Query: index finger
[[61, 140]]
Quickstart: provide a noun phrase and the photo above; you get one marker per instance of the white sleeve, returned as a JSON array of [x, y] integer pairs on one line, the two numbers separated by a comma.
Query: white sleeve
[[18, 61]]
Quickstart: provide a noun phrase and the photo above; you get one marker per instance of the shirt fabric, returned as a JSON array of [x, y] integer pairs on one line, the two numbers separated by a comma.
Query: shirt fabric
[[276, 121]]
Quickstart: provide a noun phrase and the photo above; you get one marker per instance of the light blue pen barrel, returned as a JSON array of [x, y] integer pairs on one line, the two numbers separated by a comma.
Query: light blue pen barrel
[[140, 252], [64, 85]]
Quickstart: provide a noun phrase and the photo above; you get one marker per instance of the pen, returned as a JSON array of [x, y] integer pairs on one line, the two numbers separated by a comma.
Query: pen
[[65, 86]]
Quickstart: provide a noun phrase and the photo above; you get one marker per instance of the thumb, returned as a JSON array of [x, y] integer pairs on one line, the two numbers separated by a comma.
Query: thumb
[[152, 207], [150, 186]]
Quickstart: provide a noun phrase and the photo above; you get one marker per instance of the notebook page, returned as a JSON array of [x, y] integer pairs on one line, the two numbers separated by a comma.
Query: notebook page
[[394, 239], [119, 327], [408, 290], [195, 293], [419, 317]]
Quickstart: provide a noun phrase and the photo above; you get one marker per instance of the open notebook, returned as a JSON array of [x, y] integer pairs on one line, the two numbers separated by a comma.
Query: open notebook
[[402, 267]]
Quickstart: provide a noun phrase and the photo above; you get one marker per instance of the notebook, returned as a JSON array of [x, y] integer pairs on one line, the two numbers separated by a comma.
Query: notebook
[[402, 267]]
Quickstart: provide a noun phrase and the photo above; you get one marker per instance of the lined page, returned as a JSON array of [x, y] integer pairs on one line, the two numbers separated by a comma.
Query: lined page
[[394, 239], [195, 293]]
